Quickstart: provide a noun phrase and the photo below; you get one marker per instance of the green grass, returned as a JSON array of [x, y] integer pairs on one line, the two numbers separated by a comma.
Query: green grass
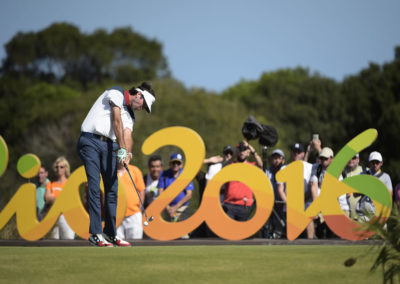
[[185, 264]]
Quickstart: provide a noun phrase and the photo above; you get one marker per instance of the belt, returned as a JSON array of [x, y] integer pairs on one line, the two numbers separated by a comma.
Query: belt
[[237, 205], [97, 136]]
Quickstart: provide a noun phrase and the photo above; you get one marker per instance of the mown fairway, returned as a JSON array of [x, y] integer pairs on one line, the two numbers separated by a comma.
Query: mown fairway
[[186, 264]]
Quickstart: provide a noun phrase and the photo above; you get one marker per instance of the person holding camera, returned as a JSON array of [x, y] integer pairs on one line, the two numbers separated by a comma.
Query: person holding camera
[[315, 145], [238, 197], [215, 163]]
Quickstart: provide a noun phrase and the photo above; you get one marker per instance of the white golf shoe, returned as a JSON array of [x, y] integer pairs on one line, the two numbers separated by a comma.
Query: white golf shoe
[[99, 241], [116, 241]]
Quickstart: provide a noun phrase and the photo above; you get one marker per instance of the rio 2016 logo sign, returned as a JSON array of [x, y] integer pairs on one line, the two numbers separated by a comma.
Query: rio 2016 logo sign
[[69, 203]]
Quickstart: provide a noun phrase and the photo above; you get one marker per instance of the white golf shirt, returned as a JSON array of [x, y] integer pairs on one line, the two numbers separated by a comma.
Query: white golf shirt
[[307, 170], [99, 118]]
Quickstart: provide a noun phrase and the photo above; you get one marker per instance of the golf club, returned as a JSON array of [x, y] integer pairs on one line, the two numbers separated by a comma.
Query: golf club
[[146, 223]]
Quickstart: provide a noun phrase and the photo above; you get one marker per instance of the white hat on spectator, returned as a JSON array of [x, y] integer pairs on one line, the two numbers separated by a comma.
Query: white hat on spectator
[[279, 152], [375, 156], [326, 152]]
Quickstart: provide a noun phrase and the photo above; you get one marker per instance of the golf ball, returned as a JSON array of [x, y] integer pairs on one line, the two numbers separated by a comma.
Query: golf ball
[[145, 223]]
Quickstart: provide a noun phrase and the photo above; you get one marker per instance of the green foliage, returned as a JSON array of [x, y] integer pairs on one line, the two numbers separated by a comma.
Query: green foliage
[[36, 104], [288, 98], [372, 100], [388, 256], [388, 250], [61, 52]]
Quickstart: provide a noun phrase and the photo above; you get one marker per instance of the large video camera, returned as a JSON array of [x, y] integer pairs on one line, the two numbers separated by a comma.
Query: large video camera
[[266, 134]]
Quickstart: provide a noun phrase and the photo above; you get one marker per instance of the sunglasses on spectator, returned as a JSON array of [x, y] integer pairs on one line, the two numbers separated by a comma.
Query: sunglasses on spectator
[[176, 163]]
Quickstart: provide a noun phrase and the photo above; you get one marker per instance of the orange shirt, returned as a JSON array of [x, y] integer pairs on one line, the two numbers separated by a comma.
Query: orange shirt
[[55, 187], [132, 198]]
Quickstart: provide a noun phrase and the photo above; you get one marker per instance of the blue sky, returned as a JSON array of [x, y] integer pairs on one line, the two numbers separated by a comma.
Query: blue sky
[[213, 44]]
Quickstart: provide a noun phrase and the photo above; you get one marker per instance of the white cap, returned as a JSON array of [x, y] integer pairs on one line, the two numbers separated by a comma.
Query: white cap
[[149, 99], [279, 152], [375, 156], [326, 152]]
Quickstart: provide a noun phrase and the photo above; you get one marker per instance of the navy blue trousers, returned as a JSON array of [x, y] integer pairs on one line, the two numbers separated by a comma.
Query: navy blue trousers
[[236, 212], [99, 159]]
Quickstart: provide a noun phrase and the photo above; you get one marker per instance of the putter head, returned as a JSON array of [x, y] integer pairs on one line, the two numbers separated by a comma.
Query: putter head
[[151, 218]]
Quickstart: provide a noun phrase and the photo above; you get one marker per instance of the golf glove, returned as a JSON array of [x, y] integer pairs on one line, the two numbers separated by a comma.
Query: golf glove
[[130, 155], [121, 155]]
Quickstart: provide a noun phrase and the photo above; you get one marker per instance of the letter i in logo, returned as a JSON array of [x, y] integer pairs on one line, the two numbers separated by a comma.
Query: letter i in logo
[[3, 156], [28, 165]]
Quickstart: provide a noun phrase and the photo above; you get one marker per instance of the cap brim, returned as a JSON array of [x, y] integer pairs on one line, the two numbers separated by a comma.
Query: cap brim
[[149, 100]]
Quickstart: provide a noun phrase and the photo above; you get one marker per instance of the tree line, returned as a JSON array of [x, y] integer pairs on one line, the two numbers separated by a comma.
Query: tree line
[[61, 53]]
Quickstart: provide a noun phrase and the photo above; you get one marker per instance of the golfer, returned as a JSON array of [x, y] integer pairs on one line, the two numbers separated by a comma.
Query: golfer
[[105, 140]]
